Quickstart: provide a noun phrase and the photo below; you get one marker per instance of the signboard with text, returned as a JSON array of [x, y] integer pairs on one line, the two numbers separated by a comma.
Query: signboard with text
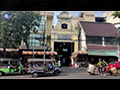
[[65, 37]]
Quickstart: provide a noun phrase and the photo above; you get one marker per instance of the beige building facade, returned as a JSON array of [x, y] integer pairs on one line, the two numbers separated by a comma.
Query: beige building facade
[[111, 19], [64, 32]]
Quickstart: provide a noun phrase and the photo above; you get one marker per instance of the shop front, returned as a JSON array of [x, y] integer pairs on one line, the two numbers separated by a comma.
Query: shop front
[[79, 59], [38, 54], [108, 56], [64, 38]]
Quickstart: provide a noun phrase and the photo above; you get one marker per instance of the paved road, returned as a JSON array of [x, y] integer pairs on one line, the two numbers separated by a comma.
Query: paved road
[[68, 73]]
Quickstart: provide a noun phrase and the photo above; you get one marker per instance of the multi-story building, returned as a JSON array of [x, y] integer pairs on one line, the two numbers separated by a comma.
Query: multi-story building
[[98, 39], [64, 39], [37, 46], [111, 19]]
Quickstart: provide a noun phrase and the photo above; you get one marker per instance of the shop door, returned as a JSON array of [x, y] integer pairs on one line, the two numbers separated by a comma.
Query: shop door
[[64, 50]]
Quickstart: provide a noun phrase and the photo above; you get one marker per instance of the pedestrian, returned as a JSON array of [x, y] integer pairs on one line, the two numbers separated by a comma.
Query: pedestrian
[[104, 66], [100, 64], [63, 61], [59, 63]]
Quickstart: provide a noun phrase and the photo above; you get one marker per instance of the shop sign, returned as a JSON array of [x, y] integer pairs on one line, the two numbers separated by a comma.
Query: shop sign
[[118, 54], [65, 37], [65, 50]]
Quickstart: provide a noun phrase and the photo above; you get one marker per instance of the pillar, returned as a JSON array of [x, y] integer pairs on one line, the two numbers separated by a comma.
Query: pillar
[[52, 45]]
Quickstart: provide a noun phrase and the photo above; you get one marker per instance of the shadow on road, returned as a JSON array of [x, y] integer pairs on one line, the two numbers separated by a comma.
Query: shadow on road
[[51, 75]]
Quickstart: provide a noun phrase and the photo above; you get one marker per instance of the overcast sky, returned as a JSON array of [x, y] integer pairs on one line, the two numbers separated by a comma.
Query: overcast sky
[[74, 14]]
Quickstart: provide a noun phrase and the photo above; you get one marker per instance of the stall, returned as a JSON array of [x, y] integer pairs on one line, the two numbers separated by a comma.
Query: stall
[[79, 59], [38, 54]]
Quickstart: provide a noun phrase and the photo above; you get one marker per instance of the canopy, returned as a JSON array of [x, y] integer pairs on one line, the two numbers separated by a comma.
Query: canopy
[[102, 53], [80, 52], [38, 59], [39, 53]]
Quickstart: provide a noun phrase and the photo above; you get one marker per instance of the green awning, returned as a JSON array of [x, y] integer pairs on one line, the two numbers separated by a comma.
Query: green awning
[[102, 53], [111, 53]]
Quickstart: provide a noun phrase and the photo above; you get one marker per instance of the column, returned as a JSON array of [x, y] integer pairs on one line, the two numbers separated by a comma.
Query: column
[[76, 47], [52, 45], [103, 41]]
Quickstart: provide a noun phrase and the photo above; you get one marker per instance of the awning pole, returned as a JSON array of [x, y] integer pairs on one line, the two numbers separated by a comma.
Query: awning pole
[[33, 52]]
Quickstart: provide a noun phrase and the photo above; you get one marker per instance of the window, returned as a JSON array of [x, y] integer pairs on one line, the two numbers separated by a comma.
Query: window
[[93, 40], [34, 42], [42, 23], [64, 26], [110, 41]]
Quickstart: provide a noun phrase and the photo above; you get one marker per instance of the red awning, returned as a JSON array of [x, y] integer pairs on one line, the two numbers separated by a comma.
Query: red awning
[[38, 53], [74, 54], [80, 52]]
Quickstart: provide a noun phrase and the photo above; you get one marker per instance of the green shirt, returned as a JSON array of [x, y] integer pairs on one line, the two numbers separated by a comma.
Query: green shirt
[[100, 64]]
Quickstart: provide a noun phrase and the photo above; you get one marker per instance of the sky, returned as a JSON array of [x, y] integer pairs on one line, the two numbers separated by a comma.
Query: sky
[[74, 14]]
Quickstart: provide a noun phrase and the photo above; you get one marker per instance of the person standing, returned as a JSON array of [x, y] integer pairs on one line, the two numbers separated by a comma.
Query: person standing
[[100, 64], [63, 61], [104, 66], [59, 62]]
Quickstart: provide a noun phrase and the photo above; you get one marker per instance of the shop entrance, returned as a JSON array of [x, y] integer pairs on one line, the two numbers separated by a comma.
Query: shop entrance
[[64, 50]]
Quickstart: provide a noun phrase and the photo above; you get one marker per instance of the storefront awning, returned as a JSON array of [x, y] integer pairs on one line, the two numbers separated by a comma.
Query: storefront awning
[[102, 53], [38, 53], [80, 52]]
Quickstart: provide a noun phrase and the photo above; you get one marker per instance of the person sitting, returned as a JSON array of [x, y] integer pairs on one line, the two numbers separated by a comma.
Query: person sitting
[[50, 66]]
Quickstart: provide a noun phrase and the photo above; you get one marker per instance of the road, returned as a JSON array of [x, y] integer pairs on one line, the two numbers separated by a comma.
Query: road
[[68, 73]]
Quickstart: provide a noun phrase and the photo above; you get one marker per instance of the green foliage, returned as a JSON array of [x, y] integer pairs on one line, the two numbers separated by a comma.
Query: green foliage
[[18, 27], [116, 14]]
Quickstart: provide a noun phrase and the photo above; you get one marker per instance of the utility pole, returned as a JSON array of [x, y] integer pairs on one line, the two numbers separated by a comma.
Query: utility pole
[[118, 44], [44, 35]]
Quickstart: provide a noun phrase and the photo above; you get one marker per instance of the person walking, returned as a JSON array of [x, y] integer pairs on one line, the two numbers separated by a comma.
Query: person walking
[[100, 64], [104, 66]]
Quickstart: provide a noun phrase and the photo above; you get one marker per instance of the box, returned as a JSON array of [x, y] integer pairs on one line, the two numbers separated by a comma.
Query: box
[[114, 71]]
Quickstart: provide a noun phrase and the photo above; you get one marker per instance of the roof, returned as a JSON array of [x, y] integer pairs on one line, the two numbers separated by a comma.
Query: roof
[[102, 48], [98, 29]]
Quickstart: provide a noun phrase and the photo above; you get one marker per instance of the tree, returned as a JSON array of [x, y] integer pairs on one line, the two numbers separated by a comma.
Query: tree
[[17, 28], [116, 14]]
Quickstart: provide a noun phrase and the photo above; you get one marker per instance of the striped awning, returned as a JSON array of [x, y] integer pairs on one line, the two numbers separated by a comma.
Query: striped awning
[[39, 53], [80, 52]]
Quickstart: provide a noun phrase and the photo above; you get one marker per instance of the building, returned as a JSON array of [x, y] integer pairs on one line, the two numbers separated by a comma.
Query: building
[[98, 39], [111, 19], [84, 16], [64, 39], [36, 47]]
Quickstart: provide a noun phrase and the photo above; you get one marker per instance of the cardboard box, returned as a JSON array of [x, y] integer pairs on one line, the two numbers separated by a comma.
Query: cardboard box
[[114, 71]]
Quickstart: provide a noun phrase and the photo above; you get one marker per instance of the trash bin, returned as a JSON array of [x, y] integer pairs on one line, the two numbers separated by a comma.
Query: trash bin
[[91, 69]]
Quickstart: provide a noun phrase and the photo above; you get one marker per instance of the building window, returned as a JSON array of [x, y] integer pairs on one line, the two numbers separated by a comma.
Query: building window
[[93, 40], [34, 42], [110, 41], [64, 26], [42, 23]]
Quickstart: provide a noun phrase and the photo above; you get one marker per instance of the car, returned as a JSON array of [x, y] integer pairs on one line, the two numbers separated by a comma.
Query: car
[[11, 66], [113, 64], [43, 68]]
